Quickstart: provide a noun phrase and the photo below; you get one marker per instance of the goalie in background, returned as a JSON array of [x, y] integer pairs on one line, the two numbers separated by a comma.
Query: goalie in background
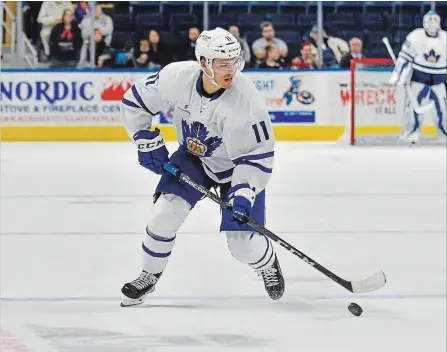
[[422, 63]]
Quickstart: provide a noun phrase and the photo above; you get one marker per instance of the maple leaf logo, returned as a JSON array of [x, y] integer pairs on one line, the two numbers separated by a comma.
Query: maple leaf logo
[[431, 56], [115, 89], [196, 141]]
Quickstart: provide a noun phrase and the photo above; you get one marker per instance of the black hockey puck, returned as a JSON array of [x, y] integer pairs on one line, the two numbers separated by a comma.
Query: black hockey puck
[[355, 309]]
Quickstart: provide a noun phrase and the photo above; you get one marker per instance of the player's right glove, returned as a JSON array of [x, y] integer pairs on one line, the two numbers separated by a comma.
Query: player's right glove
[[152, 152], [242, 198]]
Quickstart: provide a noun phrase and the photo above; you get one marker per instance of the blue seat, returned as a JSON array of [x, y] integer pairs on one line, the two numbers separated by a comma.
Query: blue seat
[[237, 7], [146, 6], [378, 6], [251, 36], [263, 6], [400, 21], [343, 20], [418, 21], [379, 52], [375, 38], [306, 21], [296, 7], [348, 6], [119, 38], [223, 21], [289, 36], [180, 21], [347, 35], [399, 37], [372, 21], [250, 21], [149, 20], [171, 7], [282, 20], [121, 22]]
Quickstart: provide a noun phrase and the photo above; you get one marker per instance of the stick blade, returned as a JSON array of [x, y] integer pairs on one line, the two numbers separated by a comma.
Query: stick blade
[[372, 283]]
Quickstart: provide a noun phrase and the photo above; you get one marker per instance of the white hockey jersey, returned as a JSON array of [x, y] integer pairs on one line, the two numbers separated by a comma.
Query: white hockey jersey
[[426, 55], [230, 130]]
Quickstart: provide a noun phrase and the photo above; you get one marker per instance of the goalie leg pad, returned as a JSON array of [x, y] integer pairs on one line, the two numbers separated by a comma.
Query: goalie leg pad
[[166, 216], [438, 95]]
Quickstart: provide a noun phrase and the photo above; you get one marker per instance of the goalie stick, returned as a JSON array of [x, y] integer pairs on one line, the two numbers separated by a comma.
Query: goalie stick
[[416, 107], [369, 284]]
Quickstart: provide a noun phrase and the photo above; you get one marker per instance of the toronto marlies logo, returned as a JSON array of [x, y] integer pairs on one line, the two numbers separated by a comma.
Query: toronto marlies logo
[[195, 139], [431, 56]]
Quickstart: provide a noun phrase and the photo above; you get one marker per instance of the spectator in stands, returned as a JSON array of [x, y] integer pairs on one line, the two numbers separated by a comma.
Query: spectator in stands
[[355, 45], [123, 58], [233, 29], [268, 39], [333, 48], [30, 24], [50, 14], [194, 33], [142, 54], [81, 11], [306, 60], [102, 51], [65, 42], [159, 55], [103, 22], [152, 53], [272, 58]]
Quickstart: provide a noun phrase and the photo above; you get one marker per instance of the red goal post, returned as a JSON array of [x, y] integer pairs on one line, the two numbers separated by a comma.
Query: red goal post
[[368, 102]]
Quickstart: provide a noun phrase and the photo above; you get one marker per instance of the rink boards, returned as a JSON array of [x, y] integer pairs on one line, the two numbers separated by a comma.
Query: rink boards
[[80, 105]]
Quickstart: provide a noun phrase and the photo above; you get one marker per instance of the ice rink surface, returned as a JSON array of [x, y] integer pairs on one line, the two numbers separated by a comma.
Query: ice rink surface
[[73, 217]]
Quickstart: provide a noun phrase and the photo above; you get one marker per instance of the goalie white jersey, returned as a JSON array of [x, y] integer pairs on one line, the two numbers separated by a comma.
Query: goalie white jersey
[[425, 55], [230, 130]]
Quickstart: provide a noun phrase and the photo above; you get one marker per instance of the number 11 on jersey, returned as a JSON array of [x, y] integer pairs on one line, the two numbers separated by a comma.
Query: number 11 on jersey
[[264, 130]]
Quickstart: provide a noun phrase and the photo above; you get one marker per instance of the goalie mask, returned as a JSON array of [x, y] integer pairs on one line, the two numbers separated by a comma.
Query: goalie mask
[[432, 23], [219, 44]]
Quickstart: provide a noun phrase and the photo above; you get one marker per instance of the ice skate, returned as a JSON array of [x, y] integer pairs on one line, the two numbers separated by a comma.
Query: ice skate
[[273, 280], [135, 292]]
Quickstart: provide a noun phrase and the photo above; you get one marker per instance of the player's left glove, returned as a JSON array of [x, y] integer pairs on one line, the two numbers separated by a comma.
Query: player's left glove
[[242, 198], [152, 152]]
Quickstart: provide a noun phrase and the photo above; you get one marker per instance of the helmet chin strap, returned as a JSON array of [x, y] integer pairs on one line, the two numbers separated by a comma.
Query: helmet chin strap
[[209, 63]]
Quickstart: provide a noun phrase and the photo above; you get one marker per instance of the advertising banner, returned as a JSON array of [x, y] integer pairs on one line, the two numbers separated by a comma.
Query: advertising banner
[[92, 98]]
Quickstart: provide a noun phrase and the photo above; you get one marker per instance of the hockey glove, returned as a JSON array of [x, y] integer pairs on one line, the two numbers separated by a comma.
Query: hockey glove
[[242, 199], [152, 152]]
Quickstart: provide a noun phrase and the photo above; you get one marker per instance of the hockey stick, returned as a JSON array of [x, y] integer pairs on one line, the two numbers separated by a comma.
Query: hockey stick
[[369, 284], [416, 107]]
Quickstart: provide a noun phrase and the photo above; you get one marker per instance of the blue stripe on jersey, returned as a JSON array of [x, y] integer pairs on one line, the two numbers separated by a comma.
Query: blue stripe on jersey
[[220, 175], [130, 103], [428, 67], [254, 157], [258, 166], [159, 238], [152, 79], [408, 54], [140, 101], [153, 254]]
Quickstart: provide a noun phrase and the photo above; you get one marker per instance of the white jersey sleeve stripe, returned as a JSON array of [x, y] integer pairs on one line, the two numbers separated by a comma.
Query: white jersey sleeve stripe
[[258, 166], [141, 102], [130, 103], [254, 157]]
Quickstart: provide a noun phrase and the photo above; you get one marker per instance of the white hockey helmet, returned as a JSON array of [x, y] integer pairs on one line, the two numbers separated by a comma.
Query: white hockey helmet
[[218, 44], [432, 22]]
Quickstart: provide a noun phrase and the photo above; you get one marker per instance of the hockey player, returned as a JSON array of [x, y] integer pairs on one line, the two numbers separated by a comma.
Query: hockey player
[[226, 141], [423, 62]]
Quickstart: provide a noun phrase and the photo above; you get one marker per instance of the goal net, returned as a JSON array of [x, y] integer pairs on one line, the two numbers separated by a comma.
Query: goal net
[[376, 108]]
